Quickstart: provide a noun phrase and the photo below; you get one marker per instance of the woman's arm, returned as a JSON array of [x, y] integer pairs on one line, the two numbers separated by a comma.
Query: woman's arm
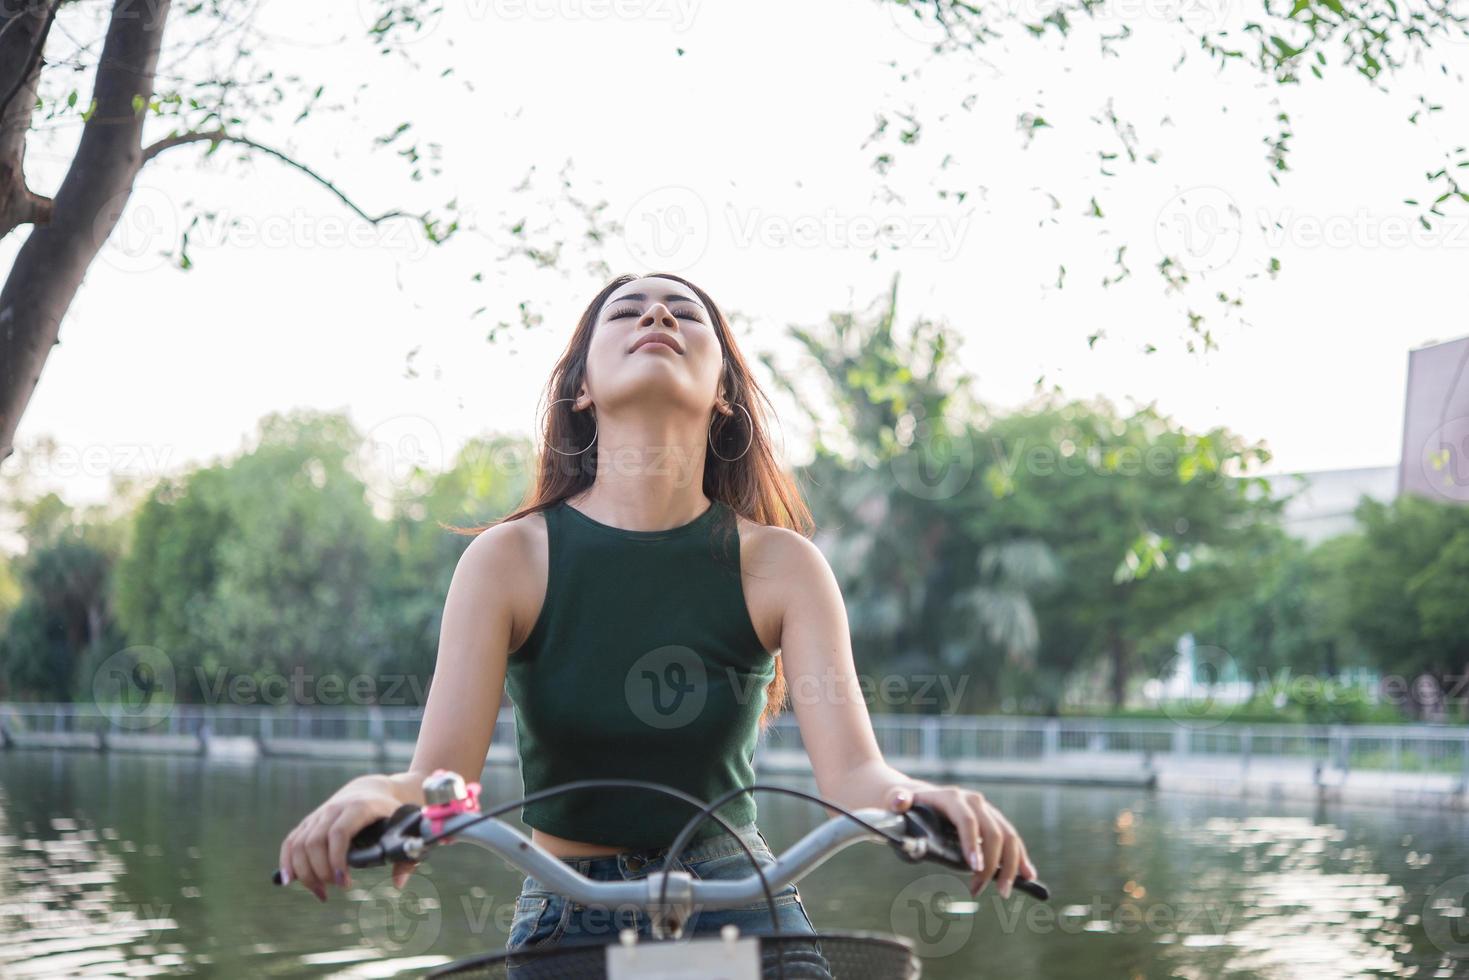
[[458, 719], [837, 730]]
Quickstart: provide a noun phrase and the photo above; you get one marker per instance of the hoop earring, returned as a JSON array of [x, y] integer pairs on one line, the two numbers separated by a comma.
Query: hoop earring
[[595, 430], [747, 444]]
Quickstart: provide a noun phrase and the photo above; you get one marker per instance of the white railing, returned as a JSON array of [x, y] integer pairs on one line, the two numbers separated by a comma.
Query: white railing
[[929, 738]]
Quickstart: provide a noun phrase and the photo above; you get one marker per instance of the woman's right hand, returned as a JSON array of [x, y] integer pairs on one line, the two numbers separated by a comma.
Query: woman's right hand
[[315, 852]]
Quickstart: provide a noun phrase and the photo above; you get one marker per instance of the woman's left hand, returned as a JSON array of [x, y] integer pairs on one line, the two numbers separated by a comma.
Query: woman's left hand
[[990, 841]]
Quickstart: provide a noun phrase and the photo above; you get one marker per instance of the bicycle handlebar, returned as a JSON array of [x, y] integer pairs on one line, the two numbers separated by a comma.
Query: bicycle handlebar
[[927, 834]]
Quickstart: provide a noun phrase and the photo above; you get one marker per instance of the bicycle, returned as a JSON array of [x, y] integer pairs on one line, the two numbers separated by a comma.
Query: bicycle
[[669, 898]]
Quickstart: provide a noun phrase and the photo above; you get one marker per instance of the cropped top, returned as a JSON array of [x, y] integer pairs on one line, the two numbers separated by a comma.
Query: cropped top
[[642, 664]]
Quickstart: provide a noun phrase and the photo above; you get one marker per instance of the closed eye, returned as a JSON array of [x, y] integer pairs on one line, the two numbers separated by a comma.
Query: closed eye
[[683, 313]]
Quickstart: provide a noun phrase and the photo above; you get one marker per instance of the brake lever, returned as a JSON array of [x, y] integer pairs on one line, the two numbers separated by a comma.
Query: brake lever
[[941, 837], [390, 838]]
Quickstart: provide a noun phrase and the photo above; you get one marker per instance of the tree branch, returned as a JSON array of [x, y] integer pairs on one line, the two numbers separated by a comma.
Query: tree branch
[[33, 59], [219, 136]]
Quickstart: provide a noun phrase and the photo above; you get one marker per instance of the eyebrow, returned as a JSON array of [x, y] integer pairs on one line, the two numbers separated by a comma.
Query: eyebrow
[[667, 298]]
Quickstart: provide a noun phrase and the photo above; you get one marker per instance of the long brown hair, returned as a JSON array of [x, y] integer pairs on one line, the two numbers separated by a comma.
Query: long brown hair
[[753, 485]]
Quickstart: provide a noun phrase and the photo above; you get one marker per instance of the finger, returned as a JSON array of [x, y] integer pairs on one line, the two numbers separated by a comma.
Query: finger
[[991, 839], [962, 816], [1026, 867], [338, 838], [301, 872], [401, 871], [305, 869], [1009, 861], [283, 861], [316, 853]]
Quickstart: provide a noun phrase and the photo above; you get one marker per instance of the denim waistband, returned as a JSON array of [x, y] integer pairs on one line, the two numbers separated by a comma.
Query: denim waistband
[[635, 863]]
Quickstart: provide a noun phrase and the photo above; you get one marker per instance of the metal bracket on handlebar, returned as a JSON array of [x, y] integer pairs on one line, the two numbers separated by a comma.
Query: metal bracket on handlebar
[[668, 921], [398, 838]]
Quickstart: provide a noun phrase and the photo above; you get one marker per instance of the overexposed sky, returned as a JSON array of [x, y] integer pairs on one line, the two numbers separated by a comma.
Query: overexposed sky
[[741, 164]]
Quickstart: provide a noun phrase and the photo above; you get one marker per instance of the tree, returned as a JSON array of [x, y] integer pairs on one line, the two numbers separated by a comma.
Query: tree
[[1405, 592], [63, 618], [128, 122], [1281, 611], [1018, 546], [1137, 512]]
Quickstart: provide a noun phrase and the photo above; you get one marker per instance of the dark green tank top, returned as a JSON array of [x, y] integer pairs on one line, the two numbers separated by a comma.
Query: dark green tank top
[[642, 664]]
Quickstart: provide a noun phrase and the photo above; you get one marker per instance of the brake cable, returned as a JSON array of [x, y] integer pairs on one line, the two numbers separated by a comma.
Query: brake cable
[[704, 813], [684, 835]]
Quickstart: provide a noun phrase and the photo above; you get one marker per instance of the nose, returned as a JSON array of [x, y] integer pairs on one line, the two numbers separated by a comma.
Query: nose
[[659, 317]]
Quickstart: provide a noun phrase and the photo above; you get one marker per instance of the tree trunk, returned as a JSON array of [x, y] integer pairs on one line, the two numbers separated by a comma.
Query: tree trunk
[[1117, 647], [52, 262]]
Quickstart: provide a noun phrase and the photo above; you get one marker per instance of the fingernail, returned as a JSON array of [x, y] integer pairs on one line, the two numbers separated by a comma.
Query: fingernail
[[285, 877], [320, 892], [1004, 889], [902, 797], [973, 859], [341, 878]]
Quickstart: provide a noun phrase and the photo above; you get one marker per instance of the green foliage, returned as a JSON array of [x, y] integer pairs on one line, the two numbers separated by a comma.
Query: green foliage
[[275, 565], [61, 615], [1016, 548], [1405, 584]]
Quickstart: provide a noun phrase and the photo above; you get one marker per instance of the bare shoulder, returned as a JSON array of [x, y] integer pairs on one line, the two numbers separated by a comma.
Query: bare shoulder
[[778, 566], [778, 552], [512, 558]]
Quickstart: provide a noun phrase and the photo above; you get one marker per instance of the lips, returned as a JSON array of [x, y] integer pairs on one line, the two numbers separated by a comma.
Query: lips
[[657, 338]]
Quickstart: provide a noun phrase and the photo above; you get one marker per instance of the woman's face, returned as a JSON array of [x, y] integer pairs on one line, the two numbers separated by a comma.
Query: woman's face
[[654, 343]]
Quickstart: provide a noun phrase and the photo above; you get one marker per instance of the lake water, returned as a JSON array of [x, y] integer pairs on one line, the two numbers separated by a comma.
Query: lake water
[[136, 866]]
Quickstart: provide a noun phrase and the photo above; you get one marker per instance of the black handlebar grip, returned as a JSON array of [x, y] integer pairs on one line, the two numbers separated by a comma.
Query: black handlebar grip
[[365, 849], [944, 847]]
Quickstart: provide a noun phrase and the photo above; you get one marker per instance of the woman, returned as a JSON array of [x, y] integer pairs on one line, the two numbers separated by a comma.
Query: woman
[[646, 611]]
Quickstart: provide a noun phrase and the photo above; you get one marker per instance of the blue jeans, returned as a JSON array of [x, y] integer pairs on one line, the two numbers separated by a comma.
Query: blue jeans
[[544, 918]]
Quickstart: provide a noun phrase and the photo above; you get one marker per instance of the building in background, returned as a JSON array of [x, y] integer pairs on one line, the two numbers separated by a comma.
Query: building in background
[[1435, 458], [1324, 501], [1434, 461]]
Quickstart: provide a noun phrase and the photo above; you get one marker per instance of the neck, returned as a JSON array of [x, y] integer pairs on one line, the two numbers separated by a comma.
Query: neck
[[649, 474]]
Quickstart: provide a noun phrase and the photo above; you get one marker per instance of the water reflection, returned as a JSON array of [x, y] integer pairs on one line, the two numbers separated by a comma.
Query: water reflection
[[136, 866], [62, 911]]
